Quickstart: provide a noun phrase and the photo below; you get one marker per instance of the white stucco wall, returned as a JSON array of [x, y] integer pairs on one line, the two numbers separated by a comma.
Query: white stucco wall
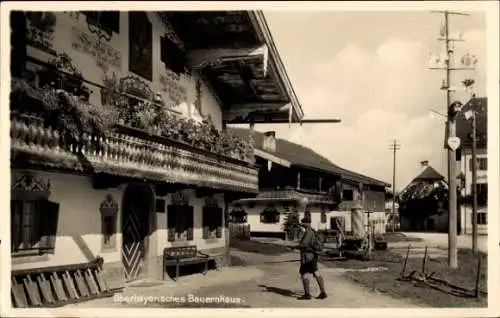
[[201, 244], [79, 224], [482, 178], [79, 221], [69, 25], [253, 218]]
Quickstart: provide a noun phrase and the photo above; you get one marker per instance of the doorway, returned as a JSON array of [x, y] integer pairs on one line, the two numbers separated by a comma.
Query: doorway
[[137, 209]]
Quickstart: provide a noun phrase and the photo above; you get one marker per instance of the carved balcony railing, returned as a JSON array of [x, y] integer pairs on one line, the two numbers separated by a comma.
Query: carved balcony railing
[[119, 153], [140, 109]]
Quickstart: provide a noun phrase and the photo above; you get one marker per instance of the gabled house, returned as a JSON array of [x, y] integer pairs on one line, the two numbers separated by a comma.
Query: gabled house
[[464, 157], [424, 203], [294, 178], [118, 140]]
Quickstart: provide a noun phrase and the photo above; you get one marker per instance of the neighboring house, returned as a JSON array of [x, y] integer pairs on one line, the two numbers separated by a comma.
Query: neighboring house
[[118, 147], [464, 156], [293, 178], [424, 203]]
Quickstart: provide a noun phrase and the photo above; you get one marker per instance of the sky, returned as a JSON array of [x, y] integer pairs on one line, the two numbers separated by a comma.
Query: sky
[[370, 70]]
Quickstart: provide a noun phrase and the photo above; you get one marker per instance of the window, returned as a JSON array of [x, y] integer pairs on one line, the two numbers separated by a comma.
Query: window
[[140, 45], [106, 20], [109, 228], [323, 216], [180, 223], [33, 226], [34, 218], [212, 222], [482, 194], [172, 55], [160, 205], [109, 211], [482, 218], [337, 223], [482, 164], [269, 215], [238, 215], [347, 195]]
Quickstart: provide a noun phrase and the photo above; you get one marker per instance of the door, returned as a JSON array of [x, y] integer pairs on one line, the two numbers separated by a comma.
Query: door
[[137, 203]]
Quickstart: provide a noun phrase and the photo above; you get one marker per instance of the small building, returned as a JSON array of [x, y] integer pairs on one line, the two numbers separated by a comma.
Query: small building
[[424, 203], [295, 179], [464, 156], [118, 141]]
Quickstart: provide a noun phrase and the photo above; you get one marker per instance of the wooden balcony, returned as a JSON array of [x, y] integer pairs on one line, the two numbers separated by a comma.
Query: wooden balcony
[[53, 125], [126, 152]]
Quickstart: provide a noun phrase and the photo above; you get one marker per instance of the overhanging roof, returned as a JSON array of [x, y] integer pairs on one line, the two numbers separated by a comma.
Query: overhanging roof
[[235, 52], [307, 158]]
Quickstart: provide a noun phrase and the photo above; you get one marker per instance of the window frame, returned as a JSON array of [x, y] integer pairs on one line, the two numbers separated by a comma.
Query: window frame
[[28, 189], [97, 19], [212, 222], [270, 212]]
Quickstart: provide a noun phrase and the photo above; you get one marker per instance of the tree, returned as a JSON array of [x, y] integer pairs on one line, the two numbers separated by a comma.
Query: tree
[[291, 225]]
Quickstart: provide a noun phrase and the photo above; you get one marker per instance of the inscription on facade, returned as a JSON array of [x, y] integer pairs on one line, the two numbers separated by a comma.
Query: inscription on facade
[[90, 45]]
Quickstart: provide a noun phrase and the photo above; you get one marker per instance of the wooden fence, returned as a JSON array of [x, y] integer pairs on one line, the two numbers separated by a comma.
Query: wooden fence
[[240, 231]]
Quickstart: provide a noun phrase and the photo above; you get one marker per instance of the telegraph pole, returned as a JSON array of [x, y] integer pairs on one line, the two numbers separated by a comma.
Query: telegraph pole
[[451, 129], [394, 147], [474, 184]]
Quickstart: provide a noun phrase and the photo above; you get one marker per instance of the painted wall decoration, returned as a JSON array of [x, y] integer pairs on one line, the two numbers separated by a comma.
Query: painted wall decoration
[[40, 30], [170, 33], [170, 83], [103, 23], [140, 45], [104, 54], [179, 198]]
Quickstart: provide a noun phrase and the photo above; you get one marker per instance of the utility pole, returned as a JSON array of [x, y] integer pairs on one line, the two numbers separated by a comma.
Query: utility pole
[[394, 147], [474, 184], [451, 129]]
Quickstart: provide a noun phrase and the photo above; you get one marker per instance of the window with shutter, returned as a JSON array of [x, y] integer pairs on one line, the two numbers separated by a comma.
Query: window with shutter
[[171, 222], [34, 219], [172, 56], [107, 20], [190, 222], [270, 215], [218, 221], [140, 45]]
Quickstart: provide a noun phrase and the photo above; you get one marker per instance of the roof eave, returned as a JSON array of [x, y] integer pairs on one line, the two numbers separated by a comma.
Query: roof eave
[[261, 28]]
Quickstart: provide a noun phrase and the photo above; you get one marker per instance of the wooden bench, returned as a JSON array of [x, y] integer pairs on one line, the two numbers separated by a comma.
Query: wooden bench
[[184, 255]]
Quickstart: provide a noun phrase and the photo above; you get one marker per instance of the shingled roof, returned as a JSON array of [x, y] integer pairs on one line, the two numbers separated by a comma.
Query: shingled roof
[[305, 157], [429, 174]]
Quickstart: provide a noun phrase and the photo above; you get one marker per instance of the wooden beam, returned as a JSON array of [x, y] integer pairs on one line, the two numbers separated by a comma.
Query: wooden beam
[[259, 109], [198, 59]]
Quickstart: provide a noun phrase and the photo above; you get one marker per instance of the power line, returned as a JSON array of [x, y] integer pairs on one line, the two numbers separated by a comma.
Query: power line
[[394, 147]]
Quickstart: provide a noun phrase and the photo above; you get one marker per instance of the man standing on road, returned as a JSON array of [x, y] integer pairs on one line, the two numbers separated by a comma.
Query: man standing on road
[[309, 260]]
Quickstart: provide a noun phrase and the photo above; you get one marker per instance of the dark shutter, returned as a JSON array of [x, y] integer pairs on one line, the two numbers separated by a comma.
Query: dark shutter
[[18, 43], [171, 222], [190, 222], [278, 216], [205, 217], [49, 218], [218, 215]]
